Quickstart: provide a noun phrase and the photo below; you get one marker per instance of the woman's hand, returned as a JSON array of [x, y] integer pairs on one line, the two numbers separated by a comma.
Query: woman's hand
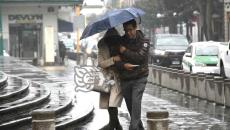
[[116, 58], [122, 49]]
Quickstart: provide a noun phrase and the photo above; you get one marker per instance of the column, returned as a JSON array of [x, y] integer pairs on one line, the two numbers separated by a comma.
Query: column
[[1, 34], [226, 20]]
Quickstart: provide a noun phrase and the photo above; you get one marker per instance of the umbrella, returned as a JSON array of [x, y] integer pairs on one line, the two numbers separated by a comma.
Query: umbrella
[[111, 19]]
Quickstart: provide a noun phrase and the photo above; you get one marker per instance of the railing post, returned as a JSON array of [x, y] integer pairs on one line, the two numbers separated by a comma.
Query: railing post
[[43, 120], [150, 77], [177, 83], [219, 90], [157, 120], [210, 90], [181, 80], [165, 78], [201, 86], [160, 76], [186, 87], [170, 78], [227, 92], [154, 74], [193, 85]]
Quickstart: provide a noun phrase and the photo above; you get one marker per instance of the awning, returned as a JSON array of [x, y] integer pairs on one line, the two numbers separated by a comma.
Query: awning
[[64, 26]]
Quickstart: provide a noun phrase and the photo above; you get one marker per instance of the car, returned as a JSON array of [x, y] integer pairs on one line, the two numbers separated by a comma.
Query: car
[[168, 49], [202, 57], [224, 60], [5, 53]]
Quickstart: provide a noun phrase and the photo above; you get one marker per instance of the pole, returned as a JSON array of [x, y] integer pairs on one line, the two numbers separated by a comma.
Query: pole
[[1, 39], [77, 42], [43, 120], [157, 120]]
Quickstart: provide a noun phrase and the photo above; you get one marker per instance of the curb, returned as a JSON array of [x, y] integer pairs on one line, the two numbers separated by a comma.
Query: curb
[[23, 89], [3, 80], [78, 119], [29, 104]]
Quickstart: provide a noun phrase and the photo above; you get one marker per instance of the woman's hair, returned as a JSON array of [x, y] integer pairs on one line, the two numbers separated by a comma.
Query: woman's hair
[[111, 37], [111, 32]]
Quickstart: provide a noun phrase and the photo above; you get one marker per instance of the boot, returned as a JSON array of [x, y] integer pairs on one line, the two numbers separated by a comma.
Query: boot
[[119, 127], [107, 127], [113, 119]]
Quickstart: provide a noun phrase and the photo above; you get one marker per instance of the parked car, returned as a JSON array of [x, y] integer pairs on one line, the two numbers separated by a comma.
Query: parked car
[[168, 49], [224, 60], [201, 57]]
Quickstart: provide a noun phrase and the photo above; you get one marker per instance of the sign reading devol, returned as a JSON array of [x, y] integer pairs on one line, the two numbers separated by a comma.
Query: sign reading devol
[[25, 18]]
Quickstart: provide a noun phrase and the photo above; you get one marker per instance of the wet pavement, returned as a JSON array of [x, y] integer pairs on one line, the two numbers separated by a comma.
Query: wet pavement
[[14, 84], [62, 97], [186, 112]]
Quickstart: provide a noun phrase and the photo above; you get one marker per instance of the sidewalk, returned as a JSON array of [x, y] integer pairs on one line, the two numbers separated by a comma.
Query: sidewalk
[[189, 116], [60, 86], [181, 116]]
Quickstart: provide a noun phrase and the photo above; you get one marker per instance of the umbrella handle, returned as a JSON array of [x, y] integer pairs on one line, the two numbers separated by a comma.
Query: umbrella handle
[[139, 18]]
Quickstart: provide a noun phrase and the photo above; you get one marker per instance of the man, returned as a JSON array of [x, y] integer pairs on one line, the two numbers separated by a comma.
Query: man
[[133, 70], [69, 43], [62, 51]]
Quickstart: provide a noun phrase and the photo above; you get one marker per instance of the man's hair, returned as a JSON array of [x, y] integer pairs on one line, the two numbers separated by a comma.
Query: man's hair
[[131, 22]]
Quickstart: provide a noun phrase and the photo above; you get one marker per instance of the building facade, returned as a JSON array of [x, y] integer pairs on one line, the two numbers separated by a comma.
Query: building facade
[[30, 29]]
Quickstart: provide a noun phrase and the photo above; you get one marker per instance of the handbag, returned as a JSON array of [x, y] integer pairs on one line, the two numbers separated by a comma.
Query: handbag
[[93, 79]]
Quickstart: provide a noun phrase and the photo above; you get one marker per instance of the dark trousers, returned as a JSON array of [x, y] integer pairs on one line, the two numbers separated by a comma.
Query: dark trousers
[[132, 91]]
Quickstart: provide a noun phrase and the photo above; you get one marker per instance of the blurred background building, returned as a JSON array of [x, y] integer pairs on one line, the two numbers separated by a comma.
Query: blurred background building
[[30, 28]]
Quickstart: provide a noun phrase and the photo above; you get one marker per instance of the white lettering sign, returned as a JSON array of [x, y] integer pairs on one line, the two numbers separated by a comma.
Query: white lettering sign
[[27, 18]]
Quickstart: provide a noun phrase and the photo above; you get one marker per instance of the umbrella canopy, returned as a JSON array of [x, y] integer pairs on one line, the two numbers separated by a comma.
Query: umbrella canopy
[[111, 19]]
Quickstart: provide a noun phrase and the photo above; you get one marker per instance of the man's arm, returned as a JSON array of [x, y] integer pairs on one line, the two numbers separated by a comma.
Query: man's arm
[[137, 57]]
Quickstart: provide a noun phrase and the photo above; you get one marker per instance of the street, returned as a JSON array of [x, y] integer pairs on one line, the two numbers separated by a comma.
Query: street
[[186, 112], [184, 46]]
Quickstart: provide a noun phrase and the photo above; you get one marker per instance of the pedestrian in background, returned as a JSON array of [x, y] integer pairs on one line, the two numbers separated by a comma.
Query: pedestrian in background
[[108, 54], [62, 51], [133, 71], [69, 43]]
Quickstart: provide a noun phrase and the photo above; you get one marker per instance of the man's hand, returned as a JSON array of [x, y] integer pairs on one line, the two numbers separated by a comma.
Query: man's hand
[[128, 66], [116, 58], [122, 49]]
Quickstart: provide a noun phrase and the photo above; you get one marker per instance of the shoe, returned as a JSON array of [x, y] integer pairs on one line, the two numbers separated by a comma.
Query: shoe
[[119, 127], [107, 127]]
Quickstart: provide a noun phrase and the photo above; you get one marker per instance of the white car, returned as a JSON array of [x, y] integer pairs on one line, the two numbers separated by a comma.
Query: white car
[[5, 53], [224, 60], [202, 57]]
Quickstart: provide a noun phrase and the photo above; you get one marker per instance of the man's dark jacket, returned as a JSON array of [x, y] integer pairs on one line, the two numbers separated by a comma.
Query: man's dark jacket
[[136, 53]]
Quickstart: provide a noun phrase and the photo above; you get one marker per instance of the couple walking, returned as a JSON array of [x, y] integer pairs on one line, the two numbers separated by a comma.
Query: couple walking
[[126, 57]]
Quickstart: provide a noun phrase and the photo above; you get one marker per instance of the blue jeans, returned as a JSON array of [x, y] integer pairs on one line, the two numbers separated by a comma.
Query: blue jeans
[[132, 91]]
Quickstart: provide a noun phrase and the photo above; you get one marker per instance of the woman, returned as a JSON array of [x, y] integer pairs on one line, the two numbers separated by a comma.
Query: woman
[[108, 54]]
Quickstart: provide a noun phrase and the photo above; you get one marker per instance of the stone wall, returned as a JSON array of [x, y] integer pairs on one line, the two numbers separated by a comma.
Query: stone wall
[[208, 87]]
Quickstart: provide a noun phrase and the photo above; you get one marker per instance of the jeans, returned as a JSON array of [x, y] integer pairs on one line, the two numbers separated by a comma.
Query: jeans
[[132, 91]]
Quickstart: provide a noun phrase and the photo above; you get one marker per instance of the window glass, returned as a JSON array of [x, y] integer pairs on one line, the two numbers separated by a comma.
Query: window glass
[[207, 51], [171, 41], [189, 50]]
